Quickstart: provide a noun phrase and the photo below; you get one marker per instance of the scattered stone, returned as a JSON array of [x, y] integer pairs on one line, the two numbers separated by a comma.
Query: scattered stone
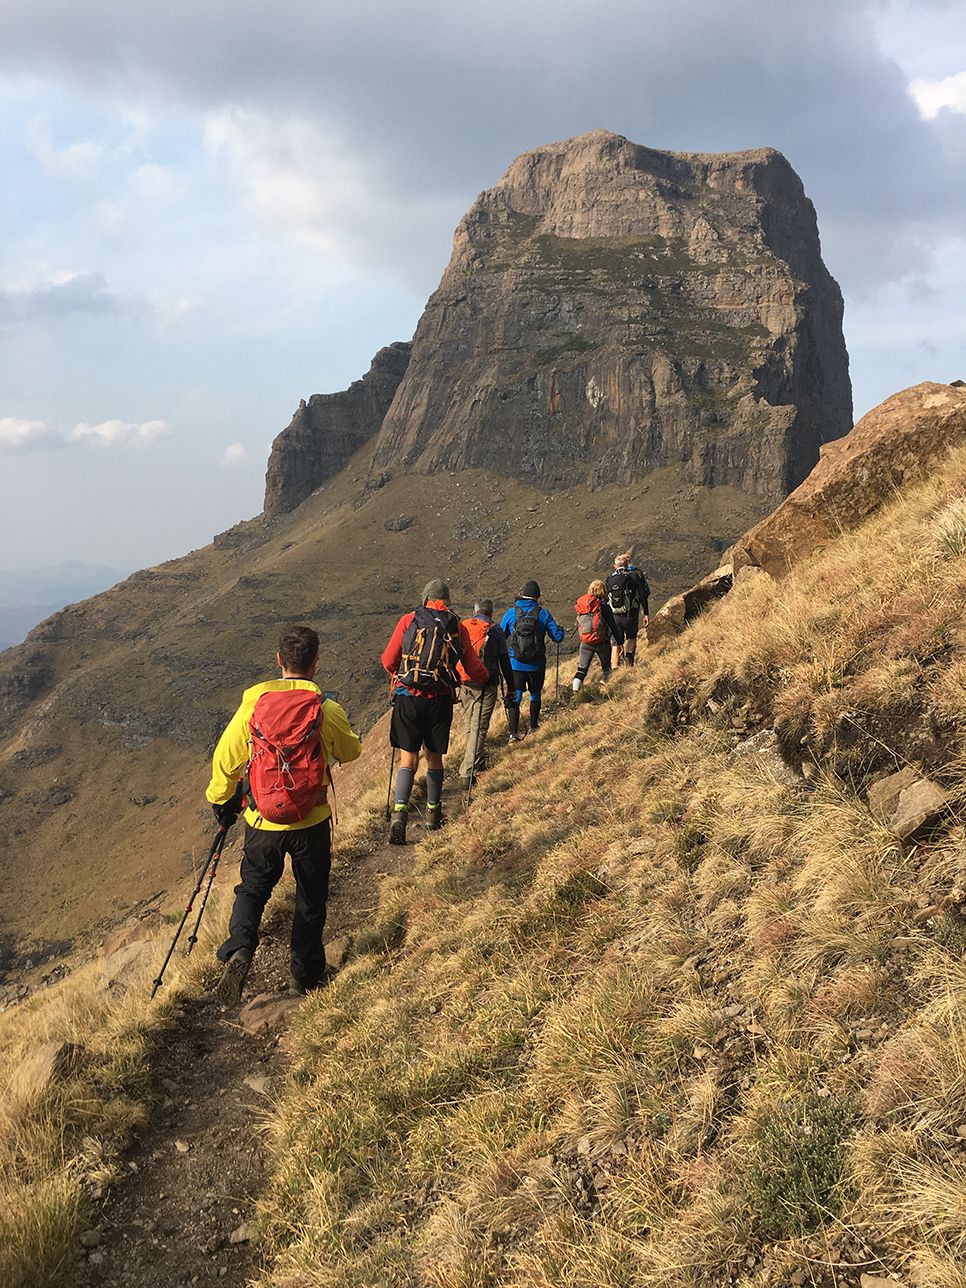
[[762, 751], [336, 951], [182, 1146], [267, 1011], [213, 1244], [399, 524], [38, 1071], [116, 972], [907, 803], [876, 1281], [260, 1083], [242, 1234], [90, 1238]]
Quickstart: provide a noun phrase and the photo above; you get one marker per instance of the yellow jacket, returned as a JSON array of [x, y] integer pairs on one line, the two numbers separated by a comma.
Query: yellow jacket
[[234, 751]]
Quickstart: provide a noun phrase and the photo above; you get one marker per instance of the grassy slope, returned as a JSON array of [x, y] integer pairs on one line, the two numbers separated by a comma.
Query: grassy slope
[[143, 677], [646, 1016]]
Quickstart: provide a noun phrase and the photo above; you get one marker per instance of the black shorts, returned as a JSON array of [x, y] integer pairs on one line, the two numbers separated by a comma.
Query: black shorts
[[532, 680], [627, 625], [421, 722]]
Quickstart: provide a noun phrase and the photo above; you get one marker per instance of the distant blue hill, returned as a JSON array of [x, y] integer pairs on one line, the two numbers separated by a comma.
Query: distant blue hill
[[28, 596]]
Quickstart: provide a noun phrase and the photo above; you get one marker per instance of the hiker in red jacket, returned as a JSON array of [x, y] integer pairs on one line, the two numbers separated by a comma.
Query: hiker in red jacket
[[422, 656]]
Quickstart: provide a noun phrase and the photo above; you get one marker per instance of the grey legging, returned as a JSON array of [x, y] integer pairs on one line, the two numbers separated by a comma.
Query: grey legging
[[586, 656]]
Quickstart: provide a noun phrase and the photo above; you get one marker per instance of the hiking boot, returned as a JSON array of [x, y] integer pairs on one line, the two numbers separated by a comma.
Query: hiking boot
[[297, 989], [228, 990], [397, 828], [434, 817]]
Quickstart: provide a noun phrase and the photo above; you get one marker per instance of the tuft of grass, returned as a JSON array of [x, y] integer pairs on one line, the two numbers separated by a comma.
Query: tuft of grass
[[797, 1163]]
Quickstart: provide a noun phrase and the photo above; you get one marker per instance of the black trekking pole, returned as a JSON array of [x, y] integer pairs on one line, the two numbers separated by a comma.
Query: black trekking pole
[[193, 937], [558, 673], [213, 855]]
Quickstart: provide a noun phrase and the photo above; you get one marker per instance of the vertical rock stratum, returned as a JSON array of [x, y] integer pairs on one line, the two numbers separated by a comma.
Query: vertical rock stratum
[[609, 309], [326, 430]]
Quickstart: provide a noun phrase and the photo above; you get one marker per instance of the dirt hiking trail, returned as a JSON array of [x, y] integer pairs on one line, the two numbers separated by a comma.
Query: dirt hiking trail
[[190, 1181]]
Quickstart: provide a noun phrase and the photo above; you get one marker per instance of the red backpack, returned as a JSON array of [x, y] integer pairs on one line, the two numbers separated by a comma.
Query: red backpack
[[478, 631], [287, 771], [590, 620]]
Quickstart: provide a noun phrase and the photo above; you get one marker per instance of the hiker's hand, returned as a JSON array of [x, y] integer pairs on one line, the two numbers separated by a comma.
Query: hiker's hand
[[646, 620], [227, 812]]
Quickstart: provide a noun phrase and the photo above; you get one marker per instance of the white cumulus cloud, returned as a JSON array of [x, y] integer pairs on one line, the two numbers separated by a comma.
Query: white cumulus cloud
[[120, 433], [18, 435], [933, 95], [235, 454]]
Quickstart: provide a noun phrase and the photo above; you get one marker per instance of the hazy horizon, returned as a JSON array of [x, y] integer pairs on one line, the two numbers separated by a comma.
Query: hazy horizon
[[213, 214]]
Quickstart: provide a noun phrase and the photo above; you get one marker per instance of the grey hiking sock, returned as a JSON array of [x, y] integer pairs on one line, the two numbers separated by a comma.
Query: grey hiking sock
[[404, 784], [434, 786]]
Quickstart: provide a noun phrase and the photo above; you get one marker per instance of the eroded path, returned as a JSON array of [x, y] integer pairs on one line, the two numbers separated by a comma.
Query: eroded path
[[190, 1183]]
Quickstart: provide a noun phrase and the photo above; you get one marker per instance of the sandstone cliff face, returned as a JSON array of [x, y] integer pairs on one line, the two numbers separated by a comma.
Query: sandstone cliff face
[[609, 309], [893, 444], [326, 430]]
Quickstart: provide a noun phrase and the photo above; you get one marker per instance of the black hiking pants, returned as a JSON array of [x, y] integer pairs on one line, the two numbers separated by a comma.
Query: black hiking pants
[[263, 863]]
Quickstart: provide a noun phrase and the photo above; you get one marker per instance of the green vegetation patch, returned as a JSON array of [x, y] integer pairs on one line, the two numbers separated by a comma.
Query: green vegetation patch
[[797, 1176]]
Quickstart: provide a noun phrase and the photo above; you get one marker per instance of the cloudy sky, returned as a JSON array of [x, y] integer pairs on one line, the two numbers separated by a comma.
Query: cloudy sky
[[210, 211]]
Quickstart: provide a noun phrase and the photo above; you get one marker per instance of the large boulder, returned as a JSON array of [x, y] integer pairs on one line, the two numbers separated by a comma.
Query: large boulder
[[892, 445]]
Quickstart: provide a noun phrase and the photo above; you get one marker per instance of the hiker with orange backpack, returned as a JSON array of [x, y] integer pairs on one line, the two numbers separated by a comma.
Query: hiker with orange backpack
[[288, 735], [479, 701], [596, 627], [423, 657]]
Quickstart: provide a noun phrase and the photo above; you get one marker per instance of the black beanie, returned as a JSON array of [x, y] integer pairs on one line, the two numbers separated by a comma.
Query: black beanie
[[530, 590]]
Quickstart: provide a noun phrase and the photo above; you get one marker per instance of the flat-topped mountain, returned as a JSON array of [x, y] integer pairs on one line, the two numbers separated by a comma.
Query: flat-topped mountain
[[609, 309]]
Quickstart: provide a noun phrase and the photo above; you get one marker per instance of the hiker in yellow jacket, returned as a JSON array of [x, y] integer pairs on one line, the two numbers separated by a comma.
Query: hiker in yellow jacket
[[296, 792]]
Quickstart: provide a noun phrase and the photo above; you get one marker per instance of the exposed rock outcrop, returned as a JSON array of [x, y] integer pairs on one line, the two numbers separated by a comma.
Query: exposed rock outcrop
[[326, 430], [609, 309], [893, 444]]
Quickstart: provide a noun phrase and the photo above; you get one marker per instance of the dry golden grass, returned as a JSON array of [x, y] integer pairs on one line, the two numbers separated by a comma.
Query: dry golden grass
[[647, 1016], [641, 976]]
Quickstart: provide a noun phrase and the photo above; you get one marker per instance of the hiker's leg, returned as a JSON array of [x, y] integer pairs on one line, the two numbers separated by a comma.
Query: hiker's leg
[[310, 849], [584, 657], [439, 719], [434, 780], [603, 654], [487, 707], [630, 641], [405, 734], [535, 682], [472, 713], [263, 861]]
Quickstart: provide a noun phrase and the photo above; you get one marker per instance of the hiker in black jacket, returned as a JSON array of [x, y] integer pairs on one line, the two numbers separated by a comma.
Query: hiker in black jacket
[[627, 595]]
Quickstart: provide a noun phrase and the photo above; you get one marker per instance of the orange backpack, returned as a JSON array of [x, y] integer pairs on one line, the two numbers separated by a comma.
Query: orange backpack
[[590, 620], [478, 631]]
